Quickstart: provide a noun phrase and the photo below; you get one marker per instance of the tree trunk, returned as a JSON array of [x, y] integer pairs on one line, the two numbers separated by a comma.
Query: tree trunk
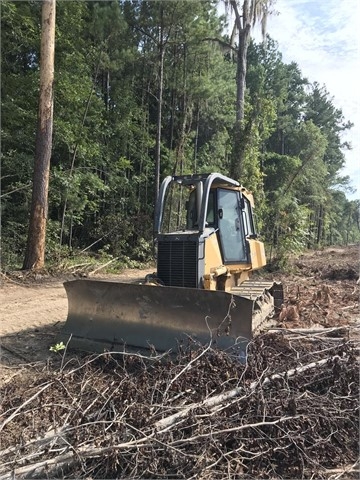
[[72, 166], [320, 225], [244, 28], [196, 136], [161, 48], [35, 250]]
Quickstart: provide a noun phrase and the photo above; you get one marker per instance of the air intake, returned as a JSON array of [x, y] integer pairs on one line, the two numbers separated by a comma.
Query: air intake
[[177, 264]]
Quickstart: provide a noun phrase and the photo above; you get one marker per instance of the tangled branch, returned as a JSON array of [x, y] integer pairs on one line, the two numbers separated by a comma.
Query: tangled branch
[[290, 412]]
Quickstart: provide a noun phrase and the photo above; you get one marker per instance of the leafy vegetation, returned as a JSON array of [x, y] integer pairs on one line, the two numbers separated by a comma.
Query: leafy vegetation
[[112, 61]]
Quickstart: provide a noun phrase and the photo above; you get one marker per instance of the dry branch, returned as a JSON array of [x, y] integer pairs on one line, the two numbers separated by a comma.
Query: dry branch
[[13, 415], [163, 424], [201, 415], [102, 266], [326, 332]]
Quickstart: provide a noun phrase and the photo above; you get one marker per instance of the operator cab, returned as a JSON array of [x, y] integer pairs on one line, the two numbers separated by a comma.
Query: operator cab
[[202, 205]]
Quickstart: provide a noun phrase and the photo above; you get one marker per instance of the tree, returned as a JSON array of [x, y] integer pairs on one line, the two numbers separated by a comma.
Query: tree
[[246, 16], [20, 44], [155, 21], [35, 251], [321, 110]]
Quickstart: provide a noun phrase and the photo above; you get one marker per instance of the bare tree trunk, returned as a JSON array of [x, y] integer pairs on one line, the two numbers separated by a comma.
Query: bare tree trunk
[[247, 14], [35, 250], [72, 166], [161, 47], [196, 136], [243, 25], [320, 225]]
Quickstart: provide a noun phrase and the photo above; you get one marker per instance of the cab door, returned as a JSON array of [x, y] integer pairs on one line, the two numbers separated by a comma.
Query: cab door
[[231, 227]]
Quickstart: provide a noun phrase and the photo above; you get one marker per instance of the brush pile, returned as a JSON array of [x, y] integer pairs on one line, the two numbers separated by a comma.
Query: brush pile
[[290, 412]]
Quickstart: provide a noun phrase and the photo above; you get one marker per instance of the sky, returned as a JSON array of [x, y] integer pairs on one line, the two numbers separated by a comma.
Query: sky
[[323, 38]]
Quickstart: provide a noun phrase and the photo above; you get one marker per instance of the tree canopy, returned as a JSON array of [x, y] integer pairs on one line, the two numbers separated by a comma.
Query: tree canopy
[[144, 89]]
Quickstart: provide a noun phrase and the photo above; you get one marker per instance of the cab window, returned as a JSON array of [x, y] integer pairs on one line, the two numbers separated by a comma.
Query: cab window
[[231, 228]]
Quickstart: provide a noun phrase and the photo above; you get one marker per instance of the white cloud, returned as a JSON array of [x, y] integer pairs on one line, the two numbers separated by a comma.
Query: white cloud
[[322, 37]]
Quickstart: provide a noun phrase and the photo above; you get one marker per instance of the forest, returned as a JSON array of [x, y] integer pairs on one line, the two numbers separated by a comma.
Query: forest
[[145, 89]]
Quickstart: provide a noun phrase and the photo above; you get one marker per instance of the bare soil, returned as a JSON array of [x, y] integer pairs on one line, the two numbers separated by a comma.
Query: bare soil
[[33, 308], [320, 288]]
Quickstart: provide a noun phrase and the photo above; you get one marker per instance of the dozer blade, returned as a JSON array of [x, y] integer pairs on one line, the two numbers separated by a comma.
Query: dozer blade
[[105, 315]]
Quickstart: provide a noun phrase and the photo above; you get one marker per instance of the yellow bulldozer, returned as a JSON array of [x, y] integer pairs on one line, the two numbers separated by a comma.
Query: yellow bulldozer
[[207, 247]]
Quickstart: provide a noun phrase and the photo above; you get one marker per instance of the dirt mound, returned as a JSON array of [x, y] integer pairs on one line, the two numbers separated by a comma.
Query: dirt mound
[[332, 263]]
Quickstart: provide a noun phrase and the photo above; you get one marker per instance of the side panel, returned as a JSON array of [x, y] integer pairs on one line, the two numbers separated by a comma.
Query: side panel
[[257, 254], [213, 257], [110, 315]]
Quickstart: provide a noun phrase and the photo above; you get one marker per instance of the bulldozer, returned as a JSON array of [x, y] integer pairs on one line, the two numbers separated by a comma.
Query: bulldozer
[[207, 247]]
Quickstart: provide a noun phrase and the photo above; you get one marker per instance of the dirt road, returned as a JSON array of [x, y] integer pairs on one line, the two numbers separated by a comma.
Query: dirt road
[[42, 301], [31, 306], [31, 315]]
